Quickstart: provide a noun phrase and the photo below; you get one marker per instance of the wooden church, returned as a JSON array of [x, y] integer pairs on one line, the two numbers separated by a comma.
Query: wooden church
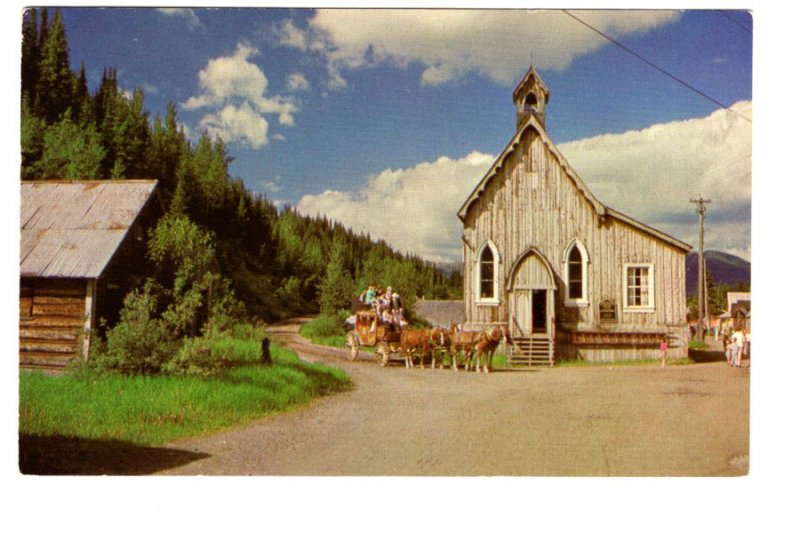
[[570, 277]]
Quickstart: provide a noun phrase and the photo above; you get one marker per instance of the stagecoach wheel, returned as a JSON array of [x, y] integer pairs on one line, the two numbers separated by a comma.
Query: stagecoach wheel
[[382, 352], [351, 342]]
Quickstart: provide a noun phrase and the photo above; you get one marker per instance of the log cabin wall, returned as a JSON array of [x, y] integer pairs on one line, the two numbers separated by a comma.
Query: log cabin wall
[[533, 201], [52, 319]]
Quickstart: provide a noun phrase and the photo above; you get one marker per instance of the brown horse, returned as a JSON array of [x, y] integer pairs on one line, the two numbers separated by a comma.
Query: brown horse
[[486, 346], [412, 340], [440, 342], [464, 342]]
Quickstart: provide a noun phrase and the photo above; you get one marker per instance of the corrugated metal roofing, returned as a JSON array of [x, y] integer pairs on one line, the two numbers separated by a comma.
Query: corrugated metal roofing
[[440, 312], [72, 229]]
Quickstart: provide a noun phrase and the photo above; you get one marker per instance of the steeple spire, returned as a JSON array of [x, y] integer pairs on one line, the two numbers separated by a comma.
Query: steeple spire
[[531, 96]]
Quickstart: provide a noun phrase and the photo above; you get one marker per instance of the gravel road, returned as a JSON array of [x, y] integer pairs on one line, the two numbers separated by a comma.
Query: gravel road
[[682, 420]]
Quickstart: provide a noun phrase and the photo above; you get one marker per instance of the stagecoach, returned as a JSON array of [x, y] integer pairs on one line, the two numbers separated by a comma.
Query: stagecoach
[[371, 331]]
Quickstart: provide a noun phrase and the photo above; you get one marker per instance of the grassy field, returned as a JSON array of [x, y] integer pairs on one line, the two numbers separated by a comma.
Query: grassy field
[[151, 410]]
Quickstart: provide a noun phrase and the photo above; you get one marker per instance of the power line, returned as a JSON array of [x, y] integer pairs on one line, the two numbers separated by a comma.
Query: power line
[[742, 26], [638, 56]]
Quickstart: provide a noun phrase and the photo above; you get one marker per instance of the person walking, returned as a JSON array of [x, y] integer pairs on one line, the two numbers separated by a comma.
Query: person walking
[[738, 342], [663, 350]]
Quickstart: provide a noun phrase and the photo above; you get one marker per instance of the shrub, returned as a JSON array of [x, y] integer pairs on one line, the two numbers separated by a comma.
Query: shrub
[[199, 356], [325, 326], [140, 343]]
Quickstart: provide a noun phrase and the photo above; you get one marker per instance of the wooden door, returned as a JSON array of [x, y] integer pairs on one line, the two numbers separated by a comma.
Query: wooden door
[[521, 316]]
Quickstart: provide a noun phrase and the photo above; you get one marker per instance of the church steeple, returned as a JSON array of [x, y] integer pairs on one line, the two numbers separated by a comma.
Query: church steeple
[[531, 96]]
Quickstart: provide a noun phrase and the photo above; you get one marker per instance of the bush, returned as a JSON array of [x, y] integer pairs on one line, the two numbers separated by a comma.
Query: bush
[[325, 326], [199, 356], [139, 343], [326, 330]]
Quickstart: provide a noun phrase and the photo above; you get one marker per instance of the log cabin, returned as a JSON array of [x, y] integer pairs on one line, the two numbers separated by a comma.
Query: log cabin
[[570, 277], [82, 248]]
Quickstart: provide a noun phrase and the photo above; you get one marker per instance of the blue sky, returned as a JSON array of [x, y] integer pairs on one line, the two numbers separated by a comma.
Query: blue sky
[[353, 113]]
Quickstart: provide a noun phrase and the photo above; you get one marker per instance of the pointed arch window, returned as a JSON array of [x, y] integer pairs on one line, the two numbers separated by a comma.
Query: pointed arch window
[[487, 274], [576, 274]]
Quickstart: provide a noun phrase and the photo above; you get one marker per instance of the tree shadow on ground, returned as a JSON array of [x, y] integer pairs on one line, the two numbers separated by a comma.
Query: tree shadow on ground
[[73, 456]]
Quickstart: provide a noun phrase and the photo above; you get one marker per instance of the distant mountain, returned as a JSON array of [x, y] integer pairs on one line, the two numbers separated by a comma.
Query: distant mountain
[[448, 268], [724, 268]]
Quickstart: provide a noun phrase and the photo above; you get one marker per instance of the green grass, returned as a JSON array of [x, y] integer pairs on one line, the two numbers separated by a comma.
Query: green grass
[[152, 410], [325, 330]]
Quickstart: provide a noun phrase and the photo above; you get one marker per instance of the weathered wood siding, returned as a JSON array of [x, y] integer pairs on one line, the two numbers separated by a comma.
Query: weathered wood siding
[[533, 201], [52, 317]]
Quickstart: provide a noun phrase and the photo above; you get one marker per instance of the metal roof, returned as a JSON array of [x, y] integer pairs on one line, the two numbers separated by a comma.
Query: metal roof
[[440, 312], [72, 229]]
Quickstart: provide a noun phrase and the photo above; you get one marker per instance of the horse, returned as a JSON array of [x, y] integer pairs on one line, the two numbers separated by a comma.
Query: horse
[[462, 341], [411, 340], [440, 342], [486, 346]]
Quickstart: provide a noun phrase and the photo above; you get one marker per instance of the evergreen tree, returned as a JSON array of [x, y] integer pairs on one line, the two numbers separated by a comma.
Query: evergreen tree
[[32, 131], [336, 289], [70, 152], [54, 87], [30, 54]]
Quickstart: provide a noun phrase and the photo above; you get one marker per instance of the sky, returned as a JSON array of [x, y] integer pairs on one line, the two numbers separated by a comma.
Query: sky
[[387, 119]]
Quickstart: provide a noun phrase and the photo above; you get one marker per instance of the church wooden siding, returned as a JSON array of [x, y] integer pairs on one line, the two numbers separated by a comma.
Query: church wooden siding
[[533, 199]]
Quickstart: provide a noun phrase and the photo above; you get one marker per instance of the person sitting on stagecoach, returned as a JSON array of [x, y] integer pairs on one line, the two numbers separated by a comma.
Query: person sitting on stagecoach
[[370, 295]]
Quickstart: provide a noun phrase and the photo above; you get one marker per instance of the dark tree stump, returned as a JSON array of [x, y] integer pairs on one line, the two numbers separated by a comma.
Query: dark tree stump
[[266, 356]]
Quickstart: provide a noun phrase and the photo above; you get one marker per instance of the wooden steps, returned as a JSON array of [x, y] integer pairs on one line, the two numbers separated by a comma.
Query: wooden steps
[[531, 351]]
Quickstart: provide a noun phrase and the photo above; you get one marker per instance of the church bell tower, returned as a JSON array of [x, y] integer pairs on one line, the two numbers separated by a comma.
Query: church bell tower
[[531, 96]]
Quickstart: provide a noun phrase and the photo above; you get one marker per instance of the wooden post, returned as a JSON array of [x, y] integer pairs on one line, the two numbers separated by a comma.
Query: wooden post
[[701, 271]]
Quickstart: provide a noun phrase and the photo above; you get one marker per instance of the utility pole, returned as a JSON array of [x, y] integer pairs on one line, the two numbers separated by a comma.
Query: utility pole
[[701, 271]]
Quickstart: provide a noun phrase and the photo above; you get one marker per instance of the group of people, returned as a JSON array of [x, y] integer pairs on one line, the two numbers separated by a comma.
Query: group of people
[[388, 305], [736, 345]]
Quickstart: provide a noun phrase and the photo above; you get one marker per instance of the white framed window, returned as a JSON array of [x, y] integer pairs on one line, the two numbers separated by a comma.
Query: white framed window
[[638, 287], [486, 275], [576, 263]]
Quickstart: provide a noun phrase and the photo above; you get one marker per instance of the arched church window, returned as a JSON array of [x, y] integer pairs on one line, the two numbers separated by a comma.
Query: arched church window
[[487, 274], [576, 274]]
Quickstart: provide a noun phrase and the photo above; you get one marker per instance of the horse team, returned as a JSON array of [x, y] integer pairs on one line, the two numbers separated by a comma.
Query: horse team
[[475, 348]]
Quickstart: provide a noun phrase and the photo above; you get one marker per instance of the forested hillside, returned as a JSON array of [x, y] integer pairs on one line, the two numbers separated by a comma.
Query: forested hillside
[[279, 263]]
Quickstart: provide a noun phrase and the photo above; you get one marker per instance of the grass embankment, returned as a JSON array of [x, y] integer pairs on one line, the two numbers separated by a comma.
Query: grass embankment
[[325, 330], [151, 410]]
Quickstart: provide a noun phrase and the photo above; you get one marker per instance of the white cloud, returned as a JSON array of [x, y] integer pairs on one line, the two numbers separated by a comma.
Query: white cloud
[[649, 175], [270, 186], [654, 172], [414, 209], [235, 90], [187, 14], [452, 43], [237, 123], [297, 82]]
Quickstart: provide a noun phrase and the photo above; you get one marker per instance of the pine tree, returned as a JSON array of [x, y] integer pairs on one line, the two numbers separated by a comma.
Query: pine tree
[[336, 289], [54, 88], [30, 54]]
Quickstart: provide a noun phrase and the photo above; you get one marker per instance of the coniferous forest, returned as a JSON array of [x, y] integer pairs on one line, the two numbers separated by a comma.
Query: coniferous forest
[[277, 262]]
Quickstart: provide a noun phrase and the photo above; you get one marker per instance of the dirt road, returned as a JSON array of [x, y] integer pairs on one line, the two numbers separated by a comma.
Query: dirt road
[[683, 420]]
